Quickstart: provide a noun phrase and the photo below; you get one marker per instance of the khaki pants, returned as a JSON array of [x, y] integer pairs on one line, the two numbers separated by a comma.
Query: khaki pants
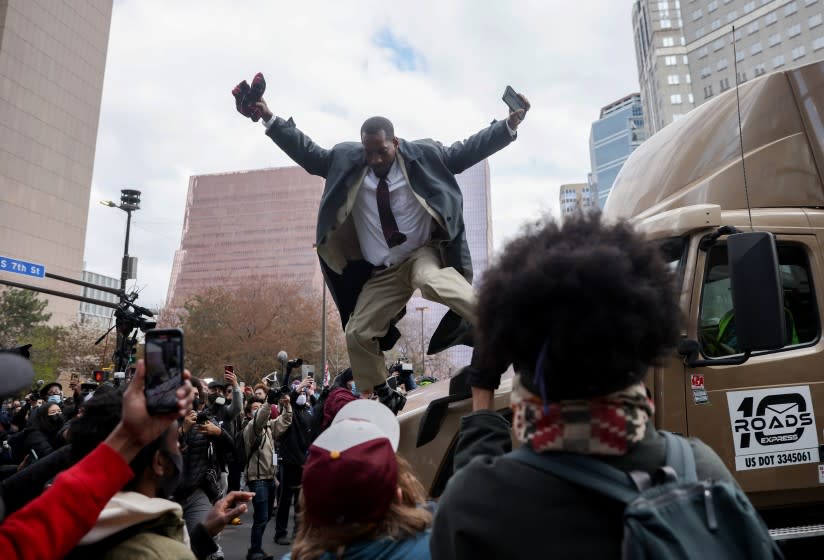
[[386, 293]]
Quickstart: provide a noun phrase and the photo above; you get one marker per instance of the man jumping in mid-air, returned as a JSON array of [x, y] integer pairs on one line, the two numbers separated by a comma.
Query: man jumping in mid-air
[[390, 222]]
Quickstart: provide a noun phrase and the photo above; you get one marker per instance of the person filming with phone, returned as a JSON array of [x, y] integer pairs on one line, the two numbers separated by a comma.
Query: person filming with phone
[[390, 222]]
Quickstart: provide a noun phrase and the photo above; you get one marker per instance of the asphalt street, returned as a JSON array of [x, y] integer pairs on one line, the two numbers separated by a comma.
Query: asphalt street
[[235, 539]]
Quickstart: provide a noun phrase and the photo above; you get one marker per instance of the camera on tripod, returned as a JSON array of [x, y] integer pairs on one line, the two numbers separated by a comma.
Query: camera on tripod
[[130, 316]]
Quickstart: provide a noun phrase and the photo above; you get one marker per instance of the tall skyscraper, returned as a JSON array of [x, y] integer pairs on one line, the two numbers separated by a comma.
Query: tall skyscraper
[[685, 50], [52, 61], [475, 186], [247, 226], [577, 197], [613, 137]]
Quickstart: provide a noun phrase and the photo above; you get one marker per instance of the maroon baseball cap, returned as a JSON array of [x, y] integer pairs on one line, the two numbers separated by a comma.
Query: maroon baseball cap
[[351, 474]]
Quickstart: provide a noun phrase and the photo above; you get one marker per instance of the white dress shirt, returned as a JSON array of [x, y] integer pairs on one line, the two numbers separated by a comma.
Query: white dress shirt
[[412, 218]]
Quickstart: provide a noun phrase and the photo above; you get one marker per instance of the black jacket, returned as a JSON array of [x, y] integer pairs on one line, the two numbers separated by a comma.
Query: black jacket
[[496, 507], [199, 453], [294, 444]]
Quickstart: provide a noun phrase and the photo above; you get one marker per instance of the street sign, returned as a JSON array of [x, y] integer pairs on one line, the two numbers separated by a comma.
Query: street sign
[[22, 267]]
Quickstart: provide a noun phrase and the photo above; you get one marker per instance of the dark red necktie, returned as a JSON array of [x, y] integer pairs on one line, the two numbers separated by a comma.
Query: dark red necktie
[[388, 224]]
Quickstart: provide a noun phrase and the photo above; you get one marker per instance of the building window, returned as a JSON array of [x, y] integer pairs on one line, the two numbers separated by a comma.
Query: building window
[[748, 7], [712, 6], [699, 32], [724, 84], [705, 71], [774, 39], [790, 8], [739, 56], [696, 15], [721, 64], [669, 42], [673, 79], [741, 77], [666, 24], [685, 59], [688, 78], [690, 98], [755, 48], [818, 43], [737, 34], [716, 23], [707, 92], [675, 99], [752, 28], [670, 60], [770, 18], [732, 16], [759, 69], [662, 6], [778, 61], [798, 52], [794, 30], [718, 45], [702, 52], [814, 21]]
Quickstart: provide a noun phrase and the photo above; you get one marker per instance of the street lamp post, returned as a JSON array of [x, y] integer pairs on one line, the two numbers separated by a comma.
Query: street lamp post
[[129, 202], [423, 359]]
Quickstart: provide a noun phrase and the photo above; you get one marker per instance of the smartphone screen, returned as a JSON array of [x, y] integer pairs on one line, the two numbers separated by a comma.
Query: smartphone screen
[[164, 369]]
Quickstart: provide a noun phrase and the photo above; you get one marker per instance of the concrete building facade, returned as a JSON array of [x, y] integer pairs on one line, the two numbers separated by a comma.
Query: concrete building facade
[[52, 62], [686, 53], [247, 226], [613, 137], [577, 197]]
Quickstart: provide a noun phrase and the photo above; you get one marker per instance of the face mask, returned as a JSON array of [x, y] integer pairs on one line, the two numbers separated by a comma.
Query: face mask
[[57, 399], [196, 404], [355, 389], [217, 399], [55, 420], [168, 484], [301, 400]]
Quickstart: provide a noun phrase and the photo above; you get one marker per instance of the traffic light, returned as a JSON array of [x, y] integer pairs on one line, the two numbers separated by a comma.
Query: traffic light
[[100, 376]]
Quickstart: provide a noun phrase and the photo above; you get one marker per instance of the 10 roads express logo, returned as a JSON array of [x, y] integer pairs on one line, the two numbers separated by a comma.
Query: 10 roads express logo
[[768, 423], [786, 425]]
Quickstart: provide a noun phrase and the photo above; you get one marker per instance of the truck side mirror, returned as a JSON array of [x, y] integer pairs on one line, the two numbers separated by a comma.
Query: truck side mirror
[[757, 295]]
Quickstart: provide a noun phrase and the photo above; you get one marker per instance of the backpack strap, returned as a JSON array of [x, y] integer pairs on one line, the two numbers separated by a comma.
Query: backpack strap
[[680, 456], [582, 470]]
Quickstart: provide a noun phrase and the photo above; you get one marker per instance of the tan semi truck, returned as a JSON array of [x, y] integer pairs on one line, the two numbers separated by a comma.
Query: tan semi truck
[[761, 410]]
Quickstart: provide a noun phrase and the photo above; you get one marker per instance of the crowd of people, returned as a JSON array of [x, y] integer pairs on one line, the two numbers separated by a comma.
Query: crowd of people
[[99, 477]]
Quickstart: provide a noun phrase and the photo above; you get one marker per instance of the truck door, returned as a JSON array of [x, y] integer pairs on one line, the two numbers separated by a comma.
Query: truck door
[[760, 416]]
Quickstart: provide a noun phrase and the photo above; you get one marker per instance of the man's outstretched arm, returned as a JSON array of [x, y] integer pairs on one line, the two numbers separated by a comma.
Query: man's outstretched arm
[[298, 146], [463, 155]]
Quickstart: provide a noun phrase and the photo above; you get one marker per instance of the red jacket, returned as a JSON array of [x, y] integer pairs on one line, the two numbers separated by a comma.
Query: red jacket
[[52, 525]]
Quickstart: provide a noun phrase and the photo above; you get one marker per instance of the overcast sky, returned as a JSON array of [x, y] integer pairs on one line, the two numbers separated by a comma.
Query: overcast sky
[[436, 68]]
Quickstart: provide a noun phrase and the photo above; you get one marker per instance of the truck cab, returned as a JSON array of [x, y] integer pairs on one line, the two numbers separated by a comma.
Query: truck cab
[[689, 188]]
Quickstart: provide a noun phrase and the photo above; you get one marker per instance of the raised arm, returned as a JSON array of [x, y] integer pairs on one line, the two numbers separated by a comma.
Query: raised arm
[[297, 145], [463, 155]]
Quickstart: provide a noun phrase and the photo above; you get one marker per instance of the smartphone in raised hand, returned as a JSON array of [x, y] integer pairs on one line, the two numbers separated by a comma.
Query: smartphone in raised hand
[[164, 369], [513, 100]]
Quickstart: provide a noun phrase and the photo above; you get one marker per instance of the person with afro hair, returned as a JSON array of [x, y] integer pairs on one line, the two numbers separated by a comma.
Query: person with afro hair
[[581, 312]]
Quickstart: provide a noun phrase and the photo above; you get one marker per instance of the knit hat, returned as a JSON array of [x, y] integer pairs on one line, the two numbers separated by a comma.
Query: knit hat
[[338, 397], [351, 474]]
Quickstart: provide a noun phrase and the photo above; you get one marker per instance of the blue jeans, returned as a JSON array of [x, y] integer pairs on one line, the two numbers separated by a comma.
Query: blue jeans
[[260, 503]]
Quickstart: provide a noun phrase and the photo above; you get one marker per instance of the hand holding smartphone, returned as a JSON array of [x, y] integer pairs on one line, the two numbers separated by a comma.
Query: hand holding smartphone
[[164, 369], [514, 101]]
